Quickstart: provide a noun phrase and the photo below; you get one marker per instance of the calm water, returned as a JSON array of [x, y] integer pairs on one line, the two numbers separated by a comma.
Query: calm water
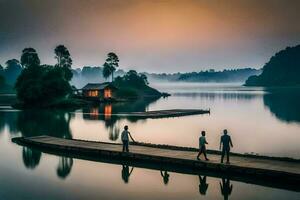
[[261, 121]]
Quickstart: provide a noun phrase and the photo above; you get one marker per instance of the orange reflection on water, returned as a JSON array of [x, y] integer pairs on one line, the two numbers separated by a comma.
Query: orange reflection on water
[[94, 113], [107, 112]]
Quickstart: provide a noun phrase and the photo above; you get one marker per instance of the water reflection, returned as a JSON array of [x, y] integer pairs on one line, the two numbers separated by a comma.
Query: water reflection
[[126, 173], [31, 157], [165, 175], [44, 122], [222, 95], [64, 167], [226, 188], [284, 104], [203, 186]]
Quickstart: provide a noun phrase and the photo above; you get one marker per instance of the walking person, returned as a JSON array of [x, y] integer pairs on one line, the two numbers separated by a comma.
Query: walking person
[[125, 139], [202, 146], [225, 143]]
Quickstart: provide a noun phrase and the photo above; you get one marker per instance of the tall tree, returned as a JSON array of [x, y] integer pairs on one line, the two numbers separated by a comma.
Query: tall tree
[[106, 70], [63, 56], [12, 71], [64, 60], [112, 62], [29, 57]]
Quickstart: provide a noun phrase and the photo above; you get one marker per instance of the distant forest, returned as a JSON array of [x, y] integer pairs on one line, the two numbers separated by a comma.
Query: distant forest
[[94, 74]]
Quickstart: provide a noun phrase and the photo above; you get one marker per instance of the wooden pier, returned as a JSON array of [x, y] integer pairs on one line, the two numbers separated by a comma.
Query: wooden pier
[[284, 174], [164, 113]]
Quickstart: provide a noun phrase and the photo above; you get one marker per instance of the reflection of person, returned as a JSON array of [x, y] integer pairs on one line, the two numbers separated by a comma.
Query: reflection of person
[[165, 176], [226, 143], [203, 185], [226, 188], [125, 139], [202, 146], [126, 173]]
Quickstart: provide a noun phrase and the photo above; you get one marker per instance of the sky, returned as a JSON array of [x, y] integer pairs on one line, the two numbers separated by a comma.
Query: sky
[[152, 35]]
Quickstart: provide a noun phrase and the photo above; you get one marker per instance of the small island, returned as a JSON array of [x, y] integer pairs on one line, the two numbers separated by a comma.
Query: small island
[[48, 86], [282, 70]]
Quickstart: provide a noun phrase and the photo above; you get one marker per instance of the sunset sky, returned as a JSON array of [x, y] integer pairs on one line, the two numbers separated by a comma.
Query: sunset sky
[[152, 35]]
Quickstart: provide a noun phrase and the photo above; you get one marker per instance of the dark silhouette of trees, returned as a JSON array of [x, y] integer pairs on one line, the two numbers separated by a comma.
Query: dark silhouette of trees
[[39, 85], [64, 167], [64, 61], [31, 157], [2, 81], [110, 66], [29, 57], [11, 71], [106, 70], [133, 78], [283, 69]]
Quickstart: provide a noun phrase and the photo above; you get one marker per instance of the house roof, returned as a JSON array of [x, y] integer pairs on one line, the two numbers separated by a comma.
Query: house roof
[[98, 86]]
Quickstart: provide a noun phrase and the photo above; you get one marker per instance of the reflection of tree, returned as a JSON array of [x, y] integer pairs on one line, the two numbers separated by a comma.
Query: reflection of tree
[[126, 173], [31, 157], [227, 95], [226, 188], [44, 122], [114, 132], [284, 104], [203, 186], [64, 167], [8, 119], [165, 176]]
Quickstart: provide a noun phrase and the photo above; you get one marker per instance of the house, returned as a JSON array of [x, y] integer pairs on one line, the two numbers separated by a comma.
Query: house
[[99, 91]]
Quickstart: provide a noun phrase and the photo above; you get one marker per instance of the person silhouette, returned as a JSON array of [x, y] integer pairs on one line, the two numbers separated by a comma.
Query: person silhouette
[[165, 176], [226, 188], [126, 173], [225, 143], [125, 139], [202, 146], [203, 186]]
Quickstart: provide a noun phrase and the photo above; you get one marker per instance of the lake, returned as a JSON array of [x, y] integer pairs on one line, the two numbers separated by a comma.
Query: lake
[[259, 120]]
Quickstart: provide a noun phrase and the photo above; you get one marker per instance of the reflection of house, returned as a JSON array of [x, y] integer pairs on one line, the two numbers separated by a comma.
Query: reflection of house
[[101, 91]]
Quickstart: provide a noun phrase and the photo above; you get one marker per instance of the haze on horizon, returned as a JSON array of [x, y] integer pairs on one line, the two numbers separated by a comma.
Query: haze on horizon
[[152, 35]]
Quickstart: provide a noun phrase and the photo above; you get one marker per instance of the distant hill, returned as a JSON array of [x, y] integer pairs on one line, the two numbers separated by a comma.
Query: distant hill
[[233, 75], [283, 69]]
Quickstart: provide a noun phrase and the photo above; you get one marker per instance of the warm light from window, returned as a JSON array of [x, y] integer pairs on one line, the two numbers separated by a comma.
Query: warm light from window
[[107, 93], [93, 93]]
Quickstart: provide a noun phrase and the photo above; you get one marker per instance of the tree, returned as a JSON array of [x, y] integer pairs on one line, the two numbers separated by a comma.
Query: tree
[[12, 71], [41, 85], [64, 60], [2, 81], [107, 70], [109, 67], [29, 57], [63, 56]]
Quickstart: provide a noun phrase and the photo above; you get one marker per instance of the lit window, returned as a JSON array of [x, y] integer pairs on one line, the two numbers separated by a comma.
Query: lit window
[[93, 93], [107, 93]]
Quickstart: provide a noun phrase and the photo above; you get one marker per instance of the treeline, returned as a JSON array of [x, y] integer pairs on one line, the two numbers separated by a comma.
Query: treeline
[[233, 75], [283, 69], [9, 74]]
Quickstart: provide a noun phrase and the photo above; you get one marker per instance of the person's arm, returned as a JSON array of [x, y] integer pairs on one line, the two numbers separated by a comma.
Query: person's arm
[[206, 141], [230, 142], [131, 137], [220, 143]]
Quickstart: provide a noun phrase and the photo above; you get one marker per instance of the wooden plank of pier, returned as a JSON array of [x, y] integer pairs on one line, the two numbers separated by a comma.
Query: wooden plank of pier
[[282, 174], [166, 113]]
